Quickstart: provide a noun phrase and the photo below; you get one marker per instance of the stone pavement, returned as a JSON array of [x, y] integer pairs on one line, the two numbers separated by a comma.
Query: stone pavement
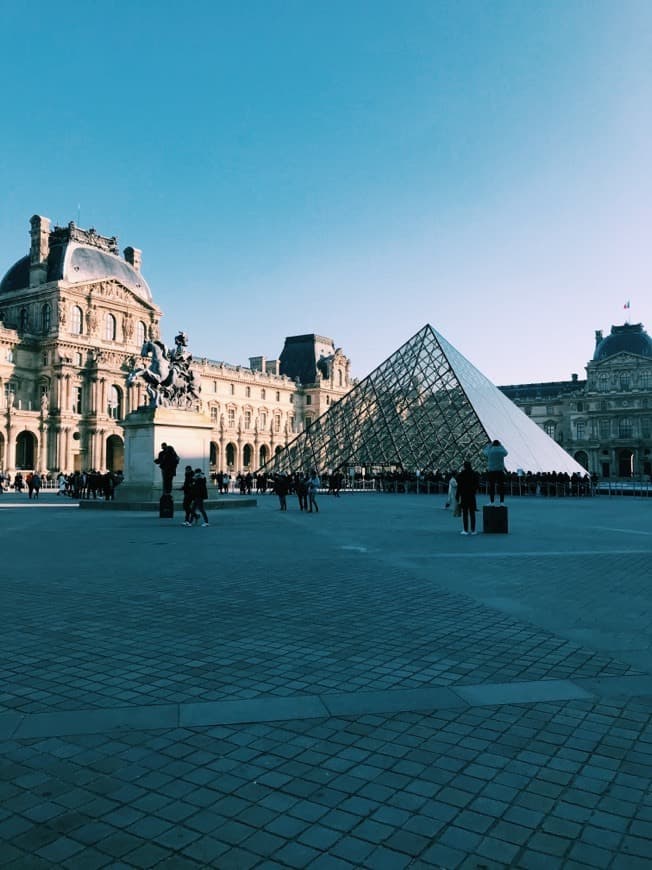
[[359, 688]]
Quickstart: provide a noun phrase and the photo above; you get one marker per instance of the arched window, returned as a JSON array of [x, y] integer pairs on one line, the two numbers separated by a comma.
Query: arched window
[[603, 383], [110, 328], [24, 320], [46, 319], [340, 378], [76, 326], [114, 409], [247, 455], [140, 332], [625, 382]]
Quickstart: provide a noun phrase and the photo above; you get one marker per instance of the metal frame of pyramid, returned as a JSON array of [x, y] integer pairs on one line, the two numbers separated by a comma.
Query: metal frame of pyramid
[[425, 407]]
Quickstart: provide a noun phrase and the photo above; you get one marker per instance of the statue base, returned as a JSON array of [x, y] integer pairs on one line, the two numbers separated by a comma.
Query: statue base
[[146, 430], [166, 507]]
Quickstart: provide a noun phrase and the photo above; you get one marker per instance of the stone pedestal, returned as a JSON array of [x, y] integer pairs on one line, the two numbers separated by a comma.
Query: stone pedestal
[[145, 431], [494, 519]]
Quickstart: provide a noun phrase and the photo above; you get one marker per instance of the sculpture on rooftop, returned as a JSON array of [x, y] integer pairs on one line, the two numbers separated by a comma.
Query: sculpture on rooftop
[[169, 378]]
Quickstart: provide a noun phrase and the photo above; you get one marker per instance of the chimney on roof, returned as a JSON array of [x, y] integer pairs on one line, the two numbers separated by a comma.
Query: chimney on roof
[[574, 377], [134, 257], [39, 250], [598, 337]]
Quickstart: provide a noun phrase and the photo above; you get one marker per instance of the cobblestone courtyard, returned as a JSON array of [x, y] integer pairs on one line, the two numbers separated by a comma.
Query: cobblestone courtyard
[[363, 687]]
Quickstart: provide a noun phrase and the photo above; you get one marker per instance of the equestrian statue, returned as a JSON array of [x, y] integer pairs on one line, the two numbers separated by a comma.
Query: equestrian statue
[[169, 378]]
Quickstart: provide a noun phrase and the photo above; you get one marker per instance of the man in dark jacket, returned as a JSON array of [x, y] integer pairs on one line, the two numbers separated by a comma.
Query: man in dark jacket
[[199, 492], [468, 482], [167, 461]]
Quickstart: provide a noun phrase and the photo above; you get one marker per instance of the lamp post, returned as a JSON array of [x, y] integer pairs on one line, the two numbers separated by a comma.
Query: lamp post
[[418, 474]]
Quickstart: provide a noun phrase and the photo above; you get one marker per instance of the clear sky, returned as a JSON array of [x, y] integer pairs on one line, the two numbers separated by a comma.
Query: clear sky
[[355, 168]]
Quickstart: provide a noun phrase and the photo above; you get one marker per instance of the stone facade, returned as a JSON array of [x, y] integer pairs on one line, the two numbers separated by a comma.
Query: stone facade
[[605, 421], [74, 317]]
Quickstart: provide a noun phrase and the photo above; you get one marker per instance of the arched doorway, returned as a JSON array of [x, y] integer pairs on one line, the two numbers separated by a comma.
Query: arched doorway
[[583, 459], [230, 455], [625, 463], [25, 450], [263, 453], [247, 456], [2, 452], [213, 454], [115, 453]]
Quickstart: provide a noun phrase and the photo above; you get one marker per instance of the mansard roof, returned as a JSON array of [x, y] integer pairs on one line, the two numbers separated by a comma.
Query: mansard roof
[[78, 256], [628, 338]]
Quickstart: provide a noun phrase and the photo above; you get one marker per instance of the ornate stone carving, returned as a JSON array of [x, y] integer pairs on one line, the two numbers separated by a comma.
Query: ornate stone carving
[[169, 379]]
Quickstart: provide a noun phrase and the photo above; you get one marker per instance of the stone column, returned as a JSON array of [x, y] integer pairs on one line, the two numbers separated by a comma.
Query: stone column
[[102, 449]]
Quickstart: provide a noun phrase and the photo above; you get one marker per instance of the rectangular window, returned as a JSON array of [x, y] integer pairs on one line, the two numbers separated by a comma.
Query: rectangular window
[[263, 419], [580, 429], [231, 416], [604, 428], [247, 418], [78, 395], [214, 414]]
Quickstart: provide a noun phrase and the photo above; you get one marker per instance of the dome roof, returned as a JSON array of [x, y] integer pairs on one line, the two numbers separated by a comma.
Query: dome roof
[[79, 256], [628, 338]]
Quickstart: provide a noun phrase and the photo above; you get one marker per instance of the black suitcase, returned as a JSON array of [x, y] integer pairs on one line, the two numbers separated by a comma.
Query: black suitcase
[[166, 507], [494, 519]]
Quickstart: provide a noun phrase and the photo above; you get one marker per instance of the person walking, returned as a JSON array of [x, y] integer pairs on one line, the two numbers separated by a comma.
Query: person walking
[[36, 484], [199, 492], [468, 482], [495, 453], [187, 495], [301, 489], [313, 485]]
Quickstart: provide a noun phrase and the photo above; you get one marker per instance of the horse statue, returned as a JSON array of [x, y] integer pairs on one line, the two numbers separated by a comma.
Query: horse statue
[[169, 379]]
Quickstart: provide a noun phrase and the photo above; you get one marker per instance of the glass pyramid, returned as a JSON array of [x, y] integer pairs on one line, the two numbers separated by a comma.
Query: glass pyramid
[[425, 408]]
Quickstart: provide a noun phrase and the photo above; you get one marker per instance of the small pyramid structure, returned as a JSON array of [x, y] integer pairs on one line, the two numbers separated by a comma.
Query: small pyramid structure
[[425, 407]]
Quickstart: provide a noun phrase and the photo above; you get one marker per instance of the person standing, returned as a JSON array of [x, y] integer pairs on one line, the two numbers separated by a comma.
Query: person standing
[[495, 453], [281, 488], [36, 484], [468, 482], [167, 460], [451, 498]]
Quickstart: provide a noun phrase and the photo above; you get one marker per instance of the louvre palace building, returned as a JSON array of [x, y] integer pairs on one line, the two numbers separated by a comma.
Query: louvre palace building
[[75, 316], [605, 420], [74, 319]]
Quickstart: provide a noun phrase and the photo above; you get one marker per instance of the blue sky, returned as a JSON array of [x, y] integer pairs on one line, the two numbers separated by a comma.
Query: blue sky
[[355, 169]]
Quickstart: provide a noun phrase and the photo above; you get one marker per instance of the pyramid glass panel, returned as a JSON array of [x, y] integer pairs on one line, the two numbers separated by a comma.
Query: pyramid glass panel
[[425, 407]]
